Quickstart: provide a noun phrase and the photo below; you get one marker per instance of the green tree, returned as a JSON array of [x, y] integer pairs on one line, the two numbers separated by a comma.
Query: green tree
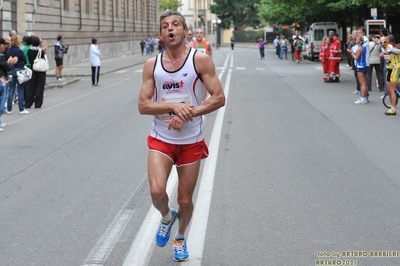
[[239, 12], [169, 4]]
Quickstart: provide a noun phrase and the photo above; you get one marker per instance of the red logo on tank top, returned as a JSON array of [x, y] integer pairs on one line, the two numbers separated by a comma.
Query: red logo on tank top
[[173, 86]]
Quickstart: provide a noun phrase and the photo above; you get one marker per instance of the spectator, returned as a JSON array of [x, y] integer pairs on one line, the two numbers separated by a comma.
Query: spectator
[[261, 45], [36, 85], [149, 45], [15, 51], [59, 57], [161, 46], [324, 57], [142, 46], [5, 66], [298, 48], [276, 43], [352, 48], [95, 55], [374, 63], [283, 47], [12, 32], [360, 56], [232, 42]]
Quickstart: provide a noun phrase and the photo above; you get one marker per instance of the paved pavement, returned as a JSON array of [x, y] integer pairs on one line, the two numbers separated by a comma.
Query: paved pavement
[[73, 73]]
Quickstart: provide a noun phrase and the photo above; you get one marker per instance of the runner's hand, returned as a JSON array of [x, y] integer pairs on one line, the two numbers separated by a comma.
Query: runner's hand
[[176, 123], [183, 111]]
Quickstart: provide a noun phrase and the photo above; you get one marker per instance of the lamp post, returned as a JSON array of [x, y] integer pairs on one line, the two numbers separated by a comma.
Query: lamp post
[[216, 24]]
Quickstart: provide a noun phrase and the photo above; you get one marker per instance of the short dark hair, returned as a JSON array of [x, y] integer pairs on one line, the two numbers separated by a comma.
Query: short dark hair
[[94, 40], [28, 40], [35, 41], [168, 13], [385, 32], [59, 37]]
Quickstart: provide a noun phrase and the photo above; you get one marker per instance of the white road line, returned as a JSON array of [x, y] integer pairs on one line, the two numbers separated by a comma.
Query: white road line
[[140, 251], [141, 248], [122, 71], [198, 227], [99, 254]]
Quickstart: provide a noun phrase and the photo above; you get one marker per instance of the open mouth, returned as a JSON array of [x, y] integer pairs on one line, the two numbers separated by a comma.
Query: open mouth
[[171, 36]]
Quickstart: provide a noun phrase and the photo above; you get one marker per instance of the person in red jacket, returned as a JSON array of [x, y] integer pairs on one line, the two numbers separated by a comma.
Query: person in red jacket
[[334, 59], [324, 57]]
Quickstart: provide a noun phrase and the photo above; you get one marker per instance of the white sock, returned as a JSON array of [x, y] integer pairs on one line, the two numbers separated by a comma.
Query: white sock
[[168, 217], [179, 236]]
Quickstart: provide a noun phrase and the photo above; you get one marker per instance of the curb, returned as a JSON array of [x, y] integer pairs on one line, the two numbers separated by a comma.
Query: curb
[[62, 84]]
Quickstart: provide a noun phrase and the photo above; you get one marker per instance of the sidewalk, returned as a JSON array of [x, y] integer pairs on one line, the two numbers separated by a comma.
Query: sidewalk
[[73, 73]]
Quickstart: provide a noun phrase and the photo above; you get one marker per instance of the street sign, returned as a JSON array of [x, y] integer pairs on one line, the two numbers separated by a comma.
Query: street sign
[[374, 12]]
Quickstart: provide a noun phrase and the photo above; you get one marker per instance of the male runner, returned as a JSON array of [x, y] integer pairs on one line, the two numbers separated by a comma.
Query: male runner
[[200, 43], [173, 86]]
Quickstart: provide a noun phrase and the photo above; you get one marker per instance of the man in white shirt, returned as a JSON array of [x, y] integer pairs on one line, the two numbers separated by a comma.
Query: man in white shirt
[[95, 55], [277, 46]]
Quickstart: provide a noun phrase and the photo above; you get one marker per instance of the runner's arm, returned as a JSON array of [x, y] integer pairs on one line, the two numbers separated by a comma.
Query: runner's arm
[[206, 69]]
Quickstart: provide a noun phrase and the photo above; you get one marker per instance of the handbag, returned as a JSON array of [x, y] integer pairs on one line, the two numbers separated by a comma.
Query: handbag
[[40, 64], [24, 75]]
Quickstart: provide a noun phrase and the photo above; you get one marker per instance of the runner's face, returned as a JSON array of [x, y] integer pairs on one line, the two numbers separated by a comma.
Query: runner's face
[[172, 29], [199, 35]]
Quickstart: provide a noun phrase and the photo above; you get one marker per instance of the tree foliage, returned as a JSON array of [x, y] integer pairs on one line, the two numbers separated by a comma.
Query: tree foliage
[[238, 12], [169, 4]]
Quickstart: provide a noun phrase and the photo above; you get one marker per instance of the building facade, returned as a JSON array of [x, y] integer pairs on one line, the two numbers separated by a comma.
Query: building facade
[[117, 24], [197, 14]]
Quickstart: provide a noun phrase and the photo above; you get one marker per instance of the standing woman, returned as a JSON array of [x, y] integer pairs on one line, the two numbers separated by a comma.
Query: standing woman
[[299, 48], [36, 85], [15, 51], [95, 55], [324, 57], [361, 68]]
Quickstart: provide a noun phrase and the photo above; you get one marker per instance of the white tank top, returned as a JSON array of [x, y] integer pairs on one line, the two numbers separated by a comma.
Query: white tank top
[[182, 85]]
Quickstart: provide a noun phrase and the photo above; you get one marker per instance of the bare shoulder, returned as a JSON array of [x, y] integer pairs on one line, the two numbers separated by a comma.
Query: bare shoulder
[[149, 66], [203, 62], [150, 62]]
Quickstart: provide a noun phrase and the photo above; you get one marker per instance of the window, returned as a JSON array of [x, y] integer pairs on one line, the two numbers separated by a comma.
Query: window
[[319, 34], [87, 6], [66, 5]]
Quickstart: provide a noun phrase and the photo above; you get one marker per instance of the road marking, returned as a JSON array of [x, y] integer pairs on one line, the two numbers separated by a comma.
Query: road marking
[[198, 228], [240, 68], [104, 247], [141, 249], [122, 71], [260, 68], [139, 71]]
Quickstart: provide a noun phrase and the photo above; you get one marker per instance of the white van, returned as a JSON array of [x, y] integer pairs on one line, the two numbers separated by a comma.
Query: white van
[[316, 33]]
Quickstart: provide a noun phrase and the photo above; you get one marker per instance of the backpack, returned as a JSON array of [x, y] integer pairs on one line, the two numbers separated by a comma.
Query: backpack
[[299, 45]]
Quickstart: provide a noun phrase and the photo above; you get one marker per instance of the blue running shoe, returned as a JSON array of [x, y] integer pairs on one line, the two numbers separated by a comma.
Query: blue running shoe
[[164, 231], [181, 253]]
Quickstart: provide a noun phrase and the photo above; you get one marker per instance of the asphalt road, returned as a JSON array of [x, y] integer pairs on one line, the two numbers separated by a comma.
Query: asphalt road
[[297, 174]]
